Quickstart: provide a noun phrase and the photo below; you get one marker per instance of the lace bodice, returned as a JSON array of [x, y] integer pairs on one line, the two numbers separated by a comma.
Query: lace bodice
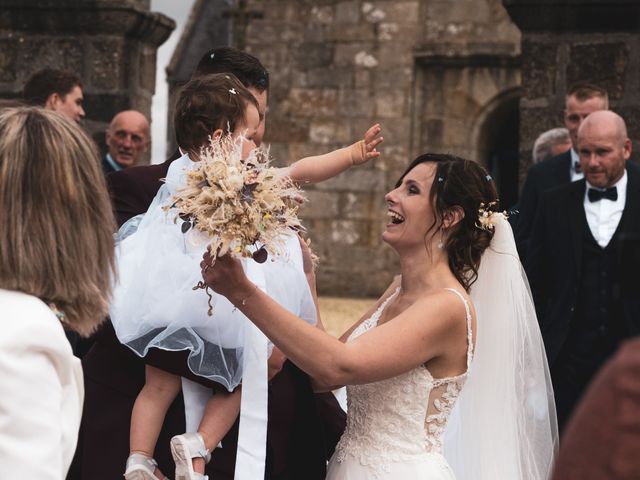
[[399, 418]]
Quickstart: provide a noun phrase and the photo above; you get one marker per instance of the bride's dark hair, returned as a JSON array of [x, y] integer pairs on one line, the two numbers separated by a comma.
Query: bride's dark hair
[[464, 184]]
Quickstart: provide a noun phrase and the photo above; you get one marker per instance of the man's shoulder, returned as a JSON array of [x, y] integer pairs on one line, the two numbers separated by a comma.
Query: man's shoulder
[[563, 193], [140, 173], [552, 164], [633, 170]]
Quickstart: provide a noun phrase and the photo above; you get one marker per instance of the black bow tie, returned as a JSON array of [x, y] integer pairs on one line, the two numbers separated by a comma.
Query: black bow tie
[[597, 195]]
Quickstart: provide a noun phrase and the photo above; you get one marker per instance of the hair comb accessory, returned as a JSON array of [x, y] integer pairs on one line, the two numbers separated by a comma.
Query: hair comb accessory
[[233, 91], [488, 178], [440, 179], [486, 219], [212, 55]]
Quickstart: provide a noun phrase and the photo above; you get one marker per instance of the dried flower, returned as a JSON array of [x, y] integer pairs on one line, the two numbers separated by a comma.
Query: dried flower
[[240, 205], [486, 219]]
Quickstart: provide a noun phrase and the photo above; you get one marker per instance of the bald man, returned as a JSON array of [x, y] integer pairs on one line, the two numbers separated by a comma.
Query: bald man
[[128, 138], [582, 266]]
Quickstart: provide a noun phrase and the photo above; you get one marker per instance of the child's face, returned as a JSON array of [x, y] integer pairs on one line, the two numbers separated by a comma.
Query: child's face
[[248, 128]]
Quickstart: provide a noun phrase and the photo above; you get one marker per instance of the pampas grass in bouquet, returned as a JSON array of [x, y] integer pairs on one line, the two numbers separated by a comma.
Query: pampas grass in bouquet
[[244, 206]]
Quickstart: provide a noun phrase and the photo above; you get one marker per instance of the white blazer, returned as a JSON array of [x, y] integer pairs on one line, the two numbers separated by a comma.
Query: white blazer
[[41, 391]]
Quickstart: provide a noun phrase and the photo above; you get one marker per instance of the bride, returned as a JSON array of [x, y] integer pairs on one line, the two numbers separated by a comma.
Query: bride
[[446, 375]]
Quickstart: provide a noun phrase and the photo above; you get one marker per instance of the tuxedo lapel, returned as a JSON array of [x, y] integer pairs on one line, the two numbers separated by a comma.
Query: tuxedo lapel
[[562, 171], [577, 220], [630, 220]]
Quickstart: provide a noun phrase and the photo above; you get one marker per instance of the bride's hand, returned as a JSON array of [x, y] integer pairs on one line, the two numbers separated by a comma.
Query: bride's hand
[[308, 261], [224, 275]]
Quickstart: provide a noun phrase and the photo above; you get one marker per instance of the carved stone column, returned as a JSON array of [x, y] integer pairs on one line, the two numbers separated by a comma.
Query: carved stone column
[[568, 41], [110, 44]]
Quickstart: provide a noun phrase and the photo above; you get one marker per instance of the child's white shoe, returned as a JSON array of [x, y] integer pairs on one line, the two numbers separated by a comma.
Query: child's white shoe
[[185, 447], [140, 467]]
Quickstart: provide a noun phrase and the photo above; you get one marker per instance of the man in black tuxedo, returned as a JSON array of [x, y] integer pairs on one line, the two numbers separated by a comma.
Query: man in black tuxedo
[[303, 428], [585, 301], [581, 100]]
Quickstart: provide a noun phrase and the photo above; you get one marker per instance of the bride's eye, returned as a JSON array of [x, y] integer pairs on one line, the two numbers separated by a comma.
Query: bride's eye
[[414, 190]]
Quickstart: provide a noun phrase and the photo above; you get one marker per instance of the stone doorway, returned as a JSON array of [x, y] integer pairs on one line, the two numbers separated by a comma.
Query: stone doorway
[[468, 105], [498, 144]]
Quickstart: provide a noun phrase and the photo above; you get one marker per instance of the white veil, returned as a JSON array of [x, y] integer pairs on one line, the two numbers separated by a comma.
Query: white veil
[[504, 423]]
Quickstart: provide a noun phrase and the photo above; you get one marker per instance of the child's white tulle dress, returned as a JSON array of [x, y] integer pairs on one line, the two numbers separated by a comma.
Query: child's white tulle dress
[[154, 304]]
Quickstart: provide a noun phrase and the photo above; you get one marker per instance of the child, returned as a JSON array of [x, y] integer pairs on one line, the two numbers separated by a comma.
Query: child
[[154, 304]]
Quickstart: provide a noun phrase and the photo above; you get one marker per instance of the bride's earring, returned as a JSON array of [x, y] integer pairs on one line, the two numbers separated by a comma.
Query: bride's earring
[[441, 243]]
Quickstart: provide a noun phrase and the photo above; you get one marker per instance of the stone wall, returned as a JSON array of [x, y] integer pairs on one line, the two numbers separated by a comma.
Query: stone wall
[[110, 44], [339, 66], [565, 42]]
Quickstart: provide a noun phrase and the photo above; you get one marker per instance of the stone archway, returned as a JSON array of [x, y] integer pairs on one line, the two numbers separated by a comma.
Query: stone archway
[[496, 136], [469, 106]]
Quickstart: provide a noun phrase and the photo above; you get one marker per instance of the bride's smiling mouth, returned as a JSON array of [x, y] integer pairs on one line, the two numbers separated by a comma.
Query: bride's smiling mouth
[[395, 217]]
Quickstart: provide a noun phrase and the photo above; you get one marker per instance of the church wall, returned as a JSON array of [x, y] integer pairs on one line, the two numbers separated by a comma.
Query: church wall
[[339, 66], [111, 47]]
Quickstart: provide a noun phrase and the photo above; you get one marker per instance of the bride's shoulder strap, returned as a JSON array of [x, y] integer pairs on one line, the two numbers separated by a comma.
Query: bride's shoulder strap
[[467, 310]]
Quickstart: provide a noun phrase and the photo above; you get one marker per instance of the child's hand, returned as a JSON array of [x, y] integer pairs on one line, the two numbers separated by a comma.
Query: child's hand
[[365, 149]]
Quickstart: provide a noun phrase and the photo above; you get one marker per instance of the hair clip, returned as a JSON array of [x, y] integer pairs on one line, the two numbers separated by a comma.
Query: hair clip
[[440, 179], [212, 55], [233, 91], [488, 178]]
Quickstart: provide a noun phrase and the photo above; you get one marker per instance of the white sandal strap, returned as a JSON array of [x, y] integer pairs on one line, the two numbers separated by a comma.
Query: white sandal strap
[[195, 444], [140, 466], [185, 447]]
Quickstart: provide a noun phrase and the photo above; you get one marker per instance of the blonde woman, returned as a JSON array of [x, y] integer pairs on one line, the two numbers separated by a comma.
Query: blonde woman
[[56, 265]]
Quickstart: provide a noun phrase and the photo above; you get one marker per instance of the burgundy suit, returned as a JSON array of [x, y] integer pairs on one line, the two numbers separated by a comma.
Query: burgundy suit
[[303, 428]]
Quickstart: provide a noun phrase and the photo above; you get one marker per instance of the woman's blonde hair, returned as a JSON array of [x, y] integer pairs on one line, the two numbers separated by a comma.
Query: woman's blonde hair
[[56, 222]]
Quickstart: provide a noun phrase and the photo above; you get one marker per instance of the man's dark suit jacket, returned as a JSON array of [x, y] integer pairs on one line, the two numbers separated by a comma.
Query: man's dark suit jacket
[[602, 440], [107, 168], [303, 428], [553, 263], [541, 177]]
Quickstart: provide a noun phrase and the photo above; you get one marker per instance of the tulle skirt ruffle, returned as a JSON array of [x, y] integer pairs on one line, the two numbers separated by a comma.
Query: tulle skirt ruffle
[[154, 304]]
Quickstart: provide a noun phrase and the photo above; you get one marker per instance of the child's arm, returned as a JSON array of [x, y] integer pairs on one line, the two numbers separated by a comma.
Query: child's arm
[[322, 167]]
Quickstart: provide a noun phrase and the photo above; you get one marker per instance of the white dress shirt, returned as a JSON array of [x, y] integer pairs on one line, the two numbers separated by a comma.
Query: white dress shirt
[[42, 391], [604, 215], [575, 160]]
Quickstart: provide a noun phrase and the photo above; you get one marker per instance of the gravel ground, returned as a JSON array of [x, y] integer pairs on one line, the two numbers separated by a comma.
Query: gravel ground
[[338, 314]]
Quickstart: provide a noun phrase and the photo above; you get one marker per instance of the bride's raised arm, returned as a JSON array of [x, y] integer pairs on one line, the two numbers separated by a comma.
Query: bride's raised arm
[[418, 334]]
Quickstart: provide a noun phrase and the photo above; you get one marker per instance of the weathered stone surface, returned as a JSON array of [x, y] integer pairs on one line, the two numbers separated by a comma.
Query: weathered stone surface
[[37, 52], [601, 63], [314, 55], [359, 206], [8, 55], [311, 102], [540, 69], [339, 66], [287, 129], [105, 57], [320, 205], [391, 103], [568, 42], [110, 45], [360, 179], [347, 12], [328, 132]]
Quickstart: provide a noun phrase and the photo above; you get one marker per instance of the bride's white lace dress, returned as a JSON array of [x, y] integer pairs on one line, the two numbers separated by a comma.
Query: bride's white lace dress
[[395, 427]]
